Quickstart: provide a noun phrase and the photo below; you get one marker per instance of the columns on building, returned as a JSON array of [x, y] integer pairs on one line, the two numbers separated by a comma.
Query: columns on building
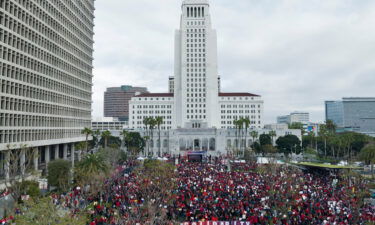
[[7, 164], [65, 152], [23, 161], [47, 155], [35, 159], [72, 152], [79, 154], [56, 147]]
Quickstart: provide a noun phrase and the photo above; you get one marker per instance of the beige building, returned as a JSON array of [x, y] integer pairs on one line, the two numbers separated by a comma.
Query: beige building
[[46, 55]]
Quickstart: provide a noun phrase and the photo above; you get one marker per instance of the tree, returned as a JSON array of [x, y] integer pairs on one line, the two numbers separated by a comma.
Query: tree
[[152, 124], [59, 174], [19, 164], [297, 125], [272, 134], [95, 138], [87, 131], [246, 121], [331, 126], [43, 211], [93, 163], [135, 143], [269, 149], [156, 186], [91, 171], [106, 135], [30, 188], [288, 143], [324, 134], [254, 135], [236, 124], [367, 155], [265, 139], [146, 122], [159, 122], [124, 134]]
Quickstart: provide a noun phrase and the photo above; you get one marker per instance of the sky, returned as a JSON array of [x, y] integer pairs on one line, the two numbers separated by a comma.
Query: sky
[[294, 53]]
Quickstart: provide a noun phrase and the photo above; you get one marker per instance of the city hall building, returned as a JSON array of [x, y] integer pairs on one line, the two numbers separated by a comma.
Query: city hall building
[[197, 115]]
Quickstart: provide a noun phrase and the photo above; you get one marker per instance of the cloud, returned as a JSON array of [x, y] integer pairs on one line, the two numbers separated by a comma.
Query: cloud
[[296, 54]]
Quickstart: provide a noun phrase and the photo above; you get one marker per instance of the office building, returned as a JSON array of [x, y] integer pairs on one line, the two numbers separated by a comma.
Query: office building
[[46, 55], [352, 114], [295, 117], [116, 101]]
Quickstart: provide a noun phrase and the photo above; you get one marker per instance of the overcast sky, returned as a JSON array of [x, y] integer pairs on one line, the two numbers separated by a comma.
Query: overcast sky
[[295, 53]]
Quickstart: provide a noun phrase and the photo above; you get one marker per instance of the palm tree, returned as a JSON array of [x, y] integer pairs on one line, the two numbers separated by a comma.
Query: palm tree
[[254, 134], [236, 124], [246, 121], [324, 133], [106, 134], [152, 124], [331, 126], [367, 155], [146, 122], [272, 134], [159, 121], [87, 131], [124, 134], [92, 164]]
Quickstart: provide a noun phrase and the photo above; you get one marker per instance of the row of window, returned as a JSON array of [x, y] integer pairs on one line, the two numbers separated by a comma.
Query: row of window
[[29, 48], [196, 30], [16, 89], [154, 112], [42, 22], [82, 89], [153, 106], [196, 60], [196, 100], [27, 106], [17, 136], [239, 111], [20, 59], [18, 120], [77, 12], [239, 106], [196, 116], [192, 23], [154, 99], [231, 122]]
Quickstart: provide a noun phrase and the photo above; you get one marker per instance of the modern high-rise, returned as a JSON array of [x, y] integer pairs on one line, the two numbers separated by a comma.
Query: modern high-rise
[[116, 101], [46, 56], [295, 117], [352, 114]]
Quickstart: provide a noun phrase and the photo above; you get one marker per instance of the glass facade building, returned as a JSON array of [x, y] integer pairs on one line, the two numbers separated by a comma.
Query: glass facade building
[[352, 114]]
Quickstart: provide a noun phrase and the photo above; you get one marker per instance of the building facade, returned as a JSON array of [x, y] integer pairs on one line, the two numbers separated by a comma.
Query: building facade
[[116, 101], [214, 142], [295, 117], [197, 115], [194, 99], [46, 55], [352, 114]]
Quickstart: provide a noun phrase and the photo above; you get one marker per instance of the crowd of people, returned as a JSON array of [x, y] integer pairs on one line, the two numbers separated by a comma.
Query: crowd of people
[[208, 192], [221, 192]]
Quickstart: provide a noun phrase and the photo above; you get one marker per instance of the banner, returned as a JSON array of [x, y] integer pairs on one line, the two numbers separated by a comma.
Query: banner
[[218, 223]]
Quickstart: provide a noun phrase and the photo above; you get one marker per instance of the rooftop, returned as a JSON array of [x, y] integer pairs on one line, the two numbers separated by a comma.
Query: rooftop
[[222, 94], [237, 94], [155, 95]]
